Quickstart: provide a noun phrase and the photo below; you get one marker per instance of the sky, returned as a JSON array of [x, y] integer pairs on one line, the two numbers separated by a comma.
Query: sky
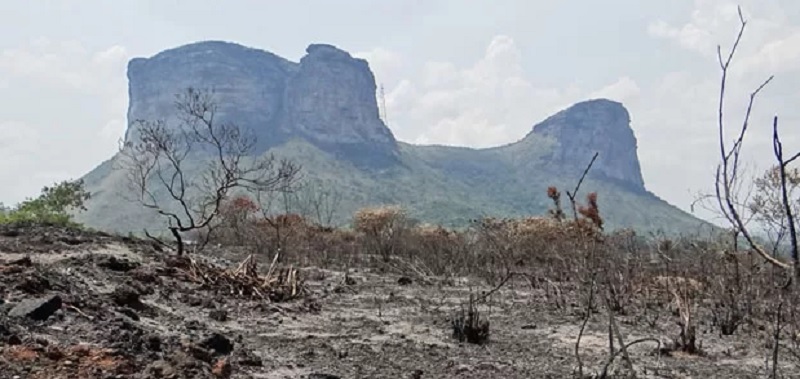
[[473, 73]]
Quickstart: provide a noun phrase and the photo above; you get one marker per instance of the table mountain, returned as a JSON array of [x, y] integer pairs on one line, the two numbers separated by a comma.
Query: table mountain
[[322, 112], [327, 99]]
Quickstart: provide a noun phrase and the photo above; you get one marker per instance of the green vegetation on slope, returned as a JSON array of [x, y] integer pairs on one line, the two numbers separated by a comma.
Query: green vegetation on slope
[[437, 184]]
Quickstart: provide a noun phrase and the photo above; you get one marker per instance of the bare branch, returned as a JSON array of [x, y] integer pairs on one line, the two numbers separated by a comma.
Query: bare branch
[[157, 158], [727, 177], [574, 193]]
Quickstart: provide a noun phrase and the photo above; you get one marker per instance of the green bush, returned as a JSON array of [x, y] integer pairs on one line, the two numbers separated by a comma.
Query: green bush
[[51, 207]]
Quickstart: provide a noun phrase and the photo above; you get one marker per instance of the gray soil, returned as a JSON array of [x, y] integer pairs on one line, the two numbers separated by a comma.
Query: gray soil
[[365, 324]]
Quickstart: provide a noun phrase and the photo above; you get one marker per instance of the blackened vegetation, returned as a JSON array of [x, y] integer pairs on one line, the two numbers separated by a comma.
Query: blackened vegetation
[[469, 325]]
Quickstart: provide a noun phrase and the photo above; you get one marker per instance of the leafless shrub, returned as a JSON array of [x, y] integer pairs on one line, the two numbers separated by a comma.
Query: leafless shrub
[[157, 156], [729, 181]]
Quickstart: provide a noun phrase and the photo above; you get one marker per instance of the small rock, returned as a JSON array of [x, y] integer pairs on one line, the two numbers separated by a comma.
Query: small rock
[[193, 325], [528, 327], [200, 353], [222, 369], [10, 233], [144, 275], [127, 296], [130, 313], [461, 369], [193, 301], [404, 281], [247, 358], [115, 264], [322, 376], [219, 343], [34, 284], [37, 309], [154, 342], [24, 261], [417, 374], [161, 369], [220, 315]]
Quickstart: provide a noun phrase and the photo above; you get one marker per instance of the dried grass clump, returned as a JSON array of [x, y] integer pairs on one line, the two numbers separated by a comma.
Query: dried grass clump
[[383, 227], [276, 285]]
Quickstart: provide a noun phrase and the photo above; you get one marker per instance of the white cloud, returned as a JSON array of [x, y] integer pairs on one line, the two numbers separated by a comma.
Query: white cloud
[[677, 124], [622, 90], [771, 41], [68, 64], [488, 103], [69, 106], [385, 64]]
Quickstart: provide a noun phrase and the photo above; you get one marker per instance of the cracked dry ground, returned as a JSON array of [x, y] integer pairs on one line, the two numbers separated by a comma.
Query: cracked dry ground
[[87, 305]]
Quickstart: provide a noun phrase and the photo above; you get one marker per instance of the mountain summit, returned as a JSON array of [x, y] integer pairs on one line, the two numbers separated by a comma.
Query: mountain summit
[[328, 98], [601, 126], [322, 112]]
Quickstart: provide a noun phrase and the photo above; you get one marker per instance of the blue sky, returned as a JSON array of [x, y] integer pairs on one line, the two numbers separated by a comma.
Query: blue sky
[[475, 73]]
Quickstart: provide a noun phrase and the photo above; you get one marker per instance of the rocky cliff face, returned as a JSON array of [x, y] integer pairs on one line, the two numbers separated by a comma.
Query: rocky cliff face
[[328, 98], [601, 126], [330, 101]]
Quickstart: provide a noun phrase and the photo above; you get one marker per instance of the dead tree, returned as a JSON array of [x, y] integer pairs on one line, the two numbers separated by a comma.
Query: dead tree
[[184, 170], [728, 176]]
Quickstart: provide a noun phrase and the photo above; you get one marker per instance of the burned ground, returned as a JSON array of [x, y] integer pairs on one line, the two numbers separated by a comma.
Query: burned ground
[[87, 305]]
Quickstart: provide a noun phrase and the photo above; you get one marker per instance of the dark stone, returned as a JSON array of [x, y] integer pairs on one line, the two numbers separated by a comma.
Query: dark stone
[[528, 327], [219, 343], [220, 315], [322, 376], [37, 309], [127, 296], [153, 342], [14, 340], [201, 353], [10, 232], [144, 275], [34, 284], [24, 261], [72, 241], [115, 264], [130, 313], [404, 281]]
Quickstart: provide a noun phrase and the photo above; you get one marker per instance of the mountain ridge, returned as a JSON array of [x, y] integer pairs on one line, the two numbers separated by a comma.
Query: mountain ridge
[[325, 106]]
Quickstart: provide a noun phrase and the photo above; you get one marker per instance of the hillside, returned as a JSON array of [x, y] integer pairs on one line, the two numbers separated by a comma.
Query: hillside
[[322, 113]]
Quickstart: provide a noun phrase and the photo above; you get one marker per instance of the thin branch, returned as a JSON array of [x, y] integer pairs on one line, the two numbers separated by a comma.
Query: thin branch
[[574, 193]]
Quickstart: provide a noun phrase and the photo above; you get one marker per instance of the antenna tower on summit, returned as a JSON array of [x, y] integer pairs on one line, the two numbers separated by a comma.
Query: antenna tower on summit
[[383, 107]]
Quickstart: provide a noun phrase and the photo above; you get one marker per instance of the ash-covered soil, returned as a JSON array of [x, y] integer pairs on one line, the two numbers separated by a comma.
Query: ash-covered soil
[[86, 305]]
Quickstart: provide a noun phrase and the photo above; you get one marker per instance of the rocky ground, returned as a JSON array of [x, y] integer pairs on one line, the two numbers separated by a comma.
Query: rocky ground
[[87, 305]]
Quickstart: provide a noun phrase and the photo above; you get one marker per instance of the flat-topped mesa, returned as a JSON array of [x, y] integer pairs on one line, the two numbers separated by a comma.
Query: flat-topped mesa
[[248, 84], [601, 126], [331, 102], [327, 99]]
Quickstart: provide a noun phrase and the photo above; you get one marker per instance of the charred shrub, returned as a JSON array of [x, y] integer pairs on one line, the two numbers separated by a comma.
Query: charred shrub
[[469, 326]]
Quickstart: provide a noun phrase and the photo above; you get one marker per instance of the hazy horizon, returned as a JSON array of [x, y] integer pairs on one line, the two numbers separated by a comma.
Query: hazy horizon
[[475, 76]]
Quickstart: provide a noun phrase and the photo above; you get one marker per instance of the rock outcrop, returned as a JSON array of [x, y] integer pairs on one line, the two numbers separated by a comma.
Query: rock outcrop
[[330, 101], [328, 98], [601, 126]]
